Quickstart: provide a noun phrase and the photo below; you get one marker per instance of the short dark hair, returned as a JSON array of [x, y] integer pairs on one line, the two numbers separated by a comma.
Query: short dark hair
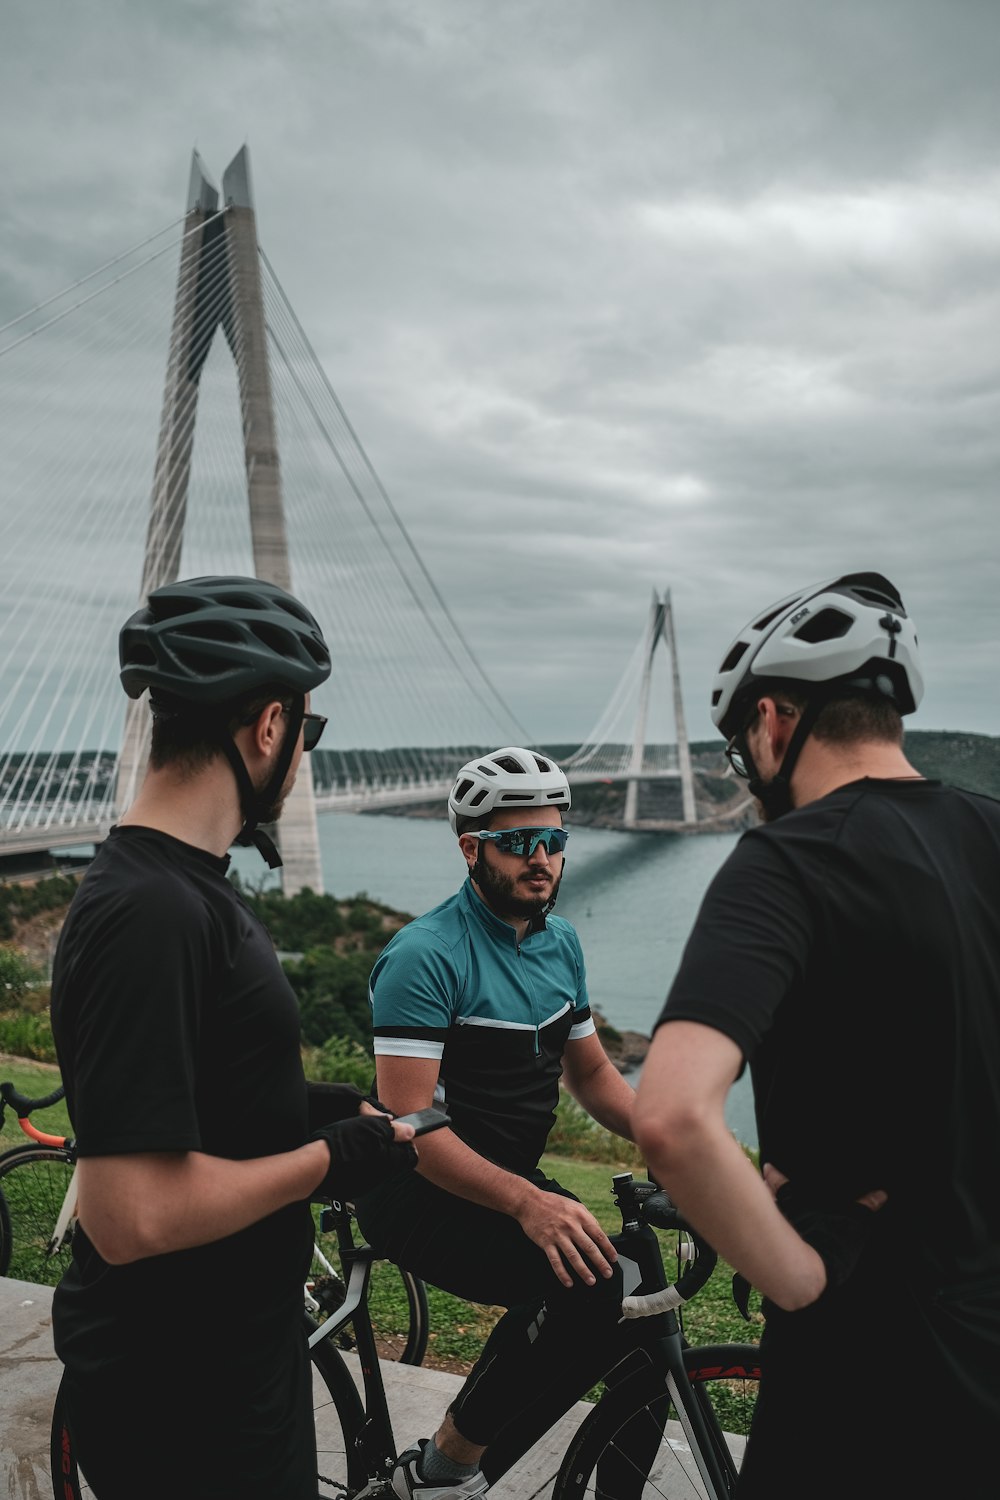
[[473, 825], [485, 820], [850, 719], [189, 738]]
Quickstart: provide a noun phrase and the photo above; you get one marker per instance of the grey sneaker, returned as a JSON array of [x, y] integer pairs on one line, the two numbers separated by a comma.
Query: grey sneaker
[[406, 1481]]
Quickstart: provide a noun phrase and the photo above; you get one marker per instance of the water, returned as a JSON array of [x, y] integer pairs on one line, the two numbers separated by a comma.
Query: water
[[631, 896]]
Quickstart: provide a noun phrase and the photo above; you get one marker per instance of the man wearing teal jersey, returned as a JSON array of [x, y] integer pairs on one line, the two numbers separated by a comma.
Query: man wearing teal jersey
[[481, 1005]]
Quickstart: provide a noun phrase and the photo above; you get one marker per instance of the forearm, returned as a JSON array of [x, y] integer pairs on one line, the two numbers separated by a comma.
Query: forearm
[[597, 1085], [133, 1207], [606, 1097], [456, 1168], [719, 1191]]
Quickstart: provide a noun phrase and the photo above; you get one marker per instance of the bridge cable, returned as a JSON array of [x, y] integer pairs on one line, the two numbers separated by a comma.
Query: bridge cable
[[389, 505]]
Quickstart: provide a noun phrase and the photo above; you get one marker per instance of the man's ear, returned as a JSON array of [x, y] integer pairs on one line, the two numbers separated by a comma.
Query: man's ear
[[469, 846], [265, 731], [779, 724]]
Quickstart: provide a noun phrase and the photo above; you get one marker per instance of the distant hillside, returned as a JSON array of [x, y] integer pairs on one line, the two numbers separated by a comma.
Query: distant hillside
[[971, 761]]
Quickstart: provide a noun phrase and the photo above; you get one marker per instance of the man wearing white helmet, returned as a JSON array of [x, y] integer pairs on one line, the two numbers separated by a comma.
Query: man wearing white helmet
[[482, 1005], [849, 952]]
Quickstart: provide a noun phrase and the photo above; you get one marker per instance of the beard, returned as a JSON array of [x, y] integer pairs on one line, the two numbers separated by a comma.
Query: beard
[[273, 810], [500, 892]]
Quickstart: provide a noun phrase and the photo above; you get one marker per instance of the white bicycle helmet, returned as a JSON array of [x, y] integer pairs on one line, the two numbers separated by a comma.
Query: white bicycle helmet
[[853, 631], [510, 777]]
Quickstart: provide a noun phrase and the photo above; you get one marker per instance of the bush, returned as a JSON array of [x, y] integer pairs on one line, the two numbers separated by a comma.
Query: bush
[[332, 989], [340, 1061], [575, 1134], [24, 1034], [17, 975]]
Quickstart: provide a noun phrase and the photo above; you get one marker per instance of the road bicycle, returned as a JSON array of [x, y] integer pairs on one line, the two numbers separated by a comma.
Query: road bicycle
[[38, 1219], [671, 1421]]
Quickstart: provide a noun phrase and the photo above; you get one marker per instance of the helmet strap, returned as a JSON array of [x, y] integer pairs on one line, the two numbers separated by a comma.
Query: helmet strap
[[254, 803], [775, 796]]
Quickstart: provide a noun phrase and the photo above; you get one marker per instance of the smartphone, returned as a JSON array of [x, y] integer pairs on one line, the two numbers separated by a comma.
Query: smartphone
[[423, 1120]]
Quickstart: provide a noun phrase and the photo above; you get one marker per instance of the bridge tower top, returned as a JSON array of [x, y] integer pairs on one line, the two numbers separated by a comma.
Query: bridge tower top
[[219, 285]]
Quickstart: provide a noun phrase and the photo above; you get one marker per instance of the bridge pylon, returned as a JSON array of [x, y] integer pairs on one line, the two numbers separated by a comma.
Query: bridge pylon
[[660, 627], [218, 285]]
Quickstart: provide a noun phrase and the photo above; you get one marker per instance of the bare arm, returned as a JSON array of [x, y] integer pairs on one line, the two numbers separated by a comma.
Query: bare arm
[[681, 1130], [134, 1206], [597, 1085], [564, 1229]]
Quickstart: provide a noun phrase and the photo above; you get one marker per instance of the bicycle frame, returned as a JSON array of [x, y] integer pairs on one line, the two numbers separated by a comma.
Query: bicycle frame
[[658, 1355], [377, 1439]]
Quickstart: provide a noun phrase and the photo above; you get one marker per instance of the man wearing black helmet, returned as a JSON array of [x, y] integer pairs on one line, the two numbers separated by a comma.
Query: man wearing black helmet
[[849, 952], [199, 1141]]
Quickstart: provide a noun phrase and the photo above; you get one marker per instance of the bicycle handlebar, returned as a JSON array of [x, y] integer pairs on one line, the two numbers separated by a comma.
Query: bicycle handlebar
[[23, 1106], [652, 1204]]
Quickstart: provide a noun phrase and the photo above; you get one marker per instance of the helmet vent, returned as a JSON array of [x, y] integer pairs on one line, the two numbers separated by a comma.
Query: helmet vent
[[543, 765], [275, 639], [763, 623], [477, 799], [736, 653], [519, 797], [210, 630], [829, 625], [508, 763]]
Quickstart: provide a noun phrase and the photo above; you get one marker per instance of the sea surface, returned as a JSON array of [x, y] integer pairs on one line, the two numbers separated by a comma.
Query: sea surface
[[632, 897]]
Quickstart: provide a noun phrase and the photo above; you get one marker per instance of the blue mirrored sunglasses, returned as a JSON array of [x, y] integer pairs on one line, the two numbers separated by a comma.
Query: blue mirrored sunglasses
[[524, 841]]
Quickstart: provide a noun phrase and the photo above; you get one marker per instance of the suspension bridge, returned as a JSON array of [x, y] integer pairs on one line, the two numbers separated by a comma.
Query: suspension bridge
[[240, 458]]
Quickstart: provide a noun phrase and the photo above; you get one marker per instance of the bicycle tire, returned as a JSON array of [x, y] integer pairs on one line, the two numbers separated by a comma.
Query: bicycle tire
[[5, 1246], [397, 1306], [33, 1181], [724, 1378], [337, 1409]]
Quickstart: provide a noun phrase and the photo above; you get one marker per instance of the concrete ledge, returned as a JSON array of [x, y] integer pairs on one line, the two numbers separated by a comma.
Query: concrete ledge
[[30, 1372]]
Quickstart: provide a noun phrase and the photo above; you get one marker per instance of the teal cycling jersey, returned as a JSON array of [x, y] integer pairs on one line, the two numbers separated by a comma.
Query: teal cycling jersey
[[457, 987]]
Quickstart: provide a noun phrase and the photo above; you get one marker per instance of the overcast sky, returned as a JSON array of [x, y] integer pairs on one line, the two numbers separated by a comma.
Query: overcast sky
[[619, 296]]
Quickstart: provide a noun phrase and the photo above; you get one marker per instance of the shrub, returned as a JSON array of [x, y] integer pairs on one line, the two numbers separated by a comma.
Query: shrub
[[575, 1134], [17, 974], [24, 1034], [340, 1060]]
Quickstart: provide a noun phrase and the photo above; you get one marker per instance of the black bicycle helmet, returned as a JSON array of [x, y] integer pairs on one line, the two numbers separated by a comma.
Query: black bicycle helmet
[[215, 639], [201, 644]]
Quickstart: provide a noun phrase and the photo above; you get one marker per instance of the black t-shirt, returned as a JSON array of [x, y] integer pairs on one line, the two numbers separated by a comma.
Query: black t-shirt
[[852, 951], [176, 1030]]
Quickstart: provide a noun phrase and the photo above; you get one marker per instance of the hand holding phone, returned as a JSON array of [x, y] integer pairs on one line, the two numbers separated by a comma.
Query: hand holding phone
[[424, 1120]]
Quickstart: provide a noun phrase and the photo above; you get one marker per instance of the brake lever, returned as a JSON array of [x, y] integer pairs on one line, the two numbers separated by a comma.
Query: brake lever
[[741, 1295]]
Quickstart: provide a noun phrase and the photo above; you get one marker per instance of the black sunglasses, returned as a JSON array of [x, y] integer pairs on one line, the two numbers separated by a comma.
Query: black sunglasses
[[524, 841], [312, 730]]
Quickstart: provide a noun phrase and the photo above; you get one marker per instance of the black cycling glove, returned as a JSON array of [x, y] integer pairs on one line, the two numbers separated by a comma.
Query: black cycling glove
[[839, 1234], [337, 1101], [332, 1101], [363, 1153]]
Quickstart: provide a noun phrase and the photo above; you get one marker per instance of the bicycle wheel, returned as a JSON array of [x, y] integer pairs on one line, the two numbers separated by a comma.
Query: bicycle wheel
[[34, 1183], [633, 1447], [397, 1305], [338, 1413], [4, 1235]]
